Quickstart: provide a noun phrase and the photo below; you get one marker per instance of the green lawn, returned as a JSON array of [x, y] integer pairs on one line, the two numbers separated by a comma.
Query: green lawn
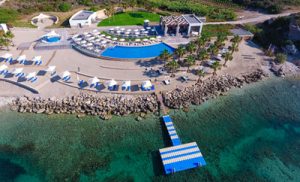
[[215, 30], [129, 18]]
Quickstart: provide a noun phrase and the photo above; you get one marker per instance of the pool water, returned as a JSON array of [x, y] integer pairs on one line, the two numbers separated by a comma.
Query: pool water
[[52, 39], [122, 52]]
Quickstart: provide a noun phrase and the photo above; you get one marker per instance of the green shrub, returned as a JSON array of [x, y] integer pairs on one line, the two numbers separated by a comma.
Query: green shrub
[[64, 6], [8, 15]]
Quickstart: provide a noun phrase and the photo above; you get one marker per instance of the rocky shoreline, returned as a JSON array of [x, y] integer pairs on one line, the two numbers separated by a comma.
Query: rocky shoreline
[[105, 107], [208, 89]]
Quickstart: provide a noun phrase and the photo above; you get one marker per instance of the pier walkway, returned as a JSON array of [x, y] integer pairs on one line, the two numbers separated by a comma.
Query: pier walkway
[[180, 156]]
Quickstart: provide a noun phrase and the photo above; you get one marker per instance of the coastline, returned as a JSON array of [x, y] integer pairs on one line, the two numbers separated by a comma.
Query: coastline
[[106, 106]]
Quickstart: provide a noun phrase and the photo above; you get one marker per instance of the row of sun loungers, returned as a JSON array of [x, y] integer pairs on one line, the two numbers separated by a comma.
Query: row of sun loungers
[[8, 58]]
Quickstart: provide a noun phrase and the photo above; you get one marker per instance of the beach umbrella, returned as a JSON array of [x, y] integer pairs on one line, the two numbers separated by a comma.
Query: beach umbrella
[[115, 38], [102, 35], [127, 33], [111, 83], [137, 33], [147, 84], [6, 56], [152, 38], [145, 40], [136, 30], [17, 70], [31, 75], [98, 40], [36, 58], [122, 29], [50, 69], [146, 32], [118, 31], [126, 84], [142, 30], [90, 48], [108, 37], [85, 33], [137, 40], [148, 28], [104, 42], [21, 58], [111, 29], [122, 40], [128, 30], [83, 42], [65, 74], [94, 81], [95, 31], [3, 67], [158, 37], [146, 21], [117, 27], [89, 44]]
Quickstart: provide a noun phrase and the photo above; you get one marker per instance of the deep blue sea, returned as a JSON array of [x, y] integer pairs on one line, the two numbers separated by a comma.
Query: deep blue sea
[[253, 134]]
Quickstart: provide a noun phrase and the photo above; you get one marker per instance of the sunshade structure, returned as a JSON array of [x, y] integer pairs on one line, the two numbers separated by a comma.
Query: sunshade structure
[[18, 72], [21, 59], [147, 86], [94, 82], [37, 60], [112, 84], [51, 69], [122, 40], [7, 57], [126, 85], [3, 69], [31, 77], [66, 76]]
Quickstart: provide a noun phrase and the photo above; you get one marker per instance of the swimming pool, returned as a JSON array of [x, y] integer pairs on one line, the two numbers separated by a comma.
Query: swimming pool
[[151, 51], [51, 39]]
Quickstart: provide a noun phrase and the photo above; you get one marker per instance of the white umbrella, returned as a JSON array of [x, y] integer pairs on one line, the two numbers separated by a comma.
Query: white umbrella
[[122, 29], [148, 28], [17, 70], [94, 80], [146, 21], [142, 30], [147, 84], [136, 30], [66, 73], [83, 42], [127, 33], [51, 68], [98, 40], [126, 84], [117, 27], [152, 38], [85, 33], [88, 35], [89, 44], [6, 56], [112, 83], [118, 31], [102, 35], [31, 75], [137, 40], [129, 30], [115, 38], [145, 40], [104, 42], [137, 33], [122, 40], [146, 32], [158, 37], [108, 37], [95, 30], [37, 58], [3, 67], [21, 58]]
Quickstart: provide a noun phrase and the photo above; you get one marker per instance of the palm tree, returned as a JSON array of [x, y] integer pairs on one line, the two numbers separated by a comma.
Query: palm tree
[[228, 57], [179, 52], [190, 61], [165, 56], [200, 42], [216, 66], [191, 47], [172, 66], [203, 55], [236, 39], [201, 74], [110, 11]]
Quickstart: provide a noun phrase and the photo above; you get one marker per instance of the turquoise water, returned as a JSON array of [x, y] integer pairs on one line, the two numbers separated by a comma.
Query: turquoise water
[[251, 135], [52, 39], [150, 51]]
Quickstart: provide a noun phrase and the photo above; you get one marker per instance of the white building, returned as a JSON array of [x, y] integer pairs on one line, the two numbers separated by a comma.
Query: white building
[[83, 18], [186, 25]]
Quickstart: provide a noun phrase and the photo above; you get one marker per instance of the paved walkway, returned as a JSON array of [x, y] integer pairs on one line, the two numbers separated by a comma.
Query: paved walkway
[[2, 2], [258, 19]]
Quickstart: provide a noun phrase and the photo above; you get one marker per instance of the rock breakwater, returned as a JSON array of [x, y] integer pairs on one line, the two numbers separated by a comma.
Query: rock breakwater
[[88, 104], [208, 89], [105, 107]]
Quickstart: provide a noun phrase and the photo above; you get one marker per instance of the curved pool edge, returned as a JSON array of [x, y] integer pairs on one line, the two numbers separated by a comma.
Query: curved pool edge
[[136, 58]]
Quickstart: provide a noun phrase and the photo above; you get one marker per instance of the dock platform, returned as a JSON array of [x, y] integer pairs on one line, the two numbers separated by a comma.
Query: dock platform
[[180, 156]]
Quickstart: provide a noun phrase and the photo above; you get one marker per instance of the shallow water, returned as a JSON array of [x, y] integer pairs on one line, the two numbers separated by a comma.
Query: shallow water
[[251, 135]]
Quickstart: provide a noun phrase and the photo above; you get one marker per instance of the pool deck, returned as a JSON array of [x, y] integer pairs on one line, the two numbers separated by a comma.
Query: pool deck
[[180, 156]]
